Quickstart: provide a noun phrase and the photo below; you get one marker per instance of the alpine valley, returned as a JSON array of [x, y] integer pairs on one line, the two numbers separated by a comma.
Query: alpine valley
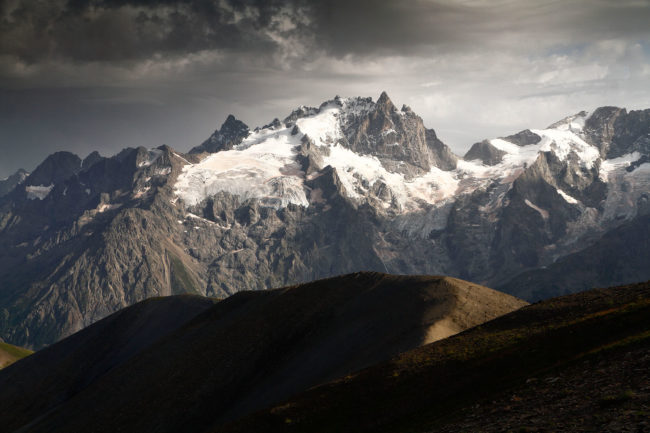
[[351, 185]]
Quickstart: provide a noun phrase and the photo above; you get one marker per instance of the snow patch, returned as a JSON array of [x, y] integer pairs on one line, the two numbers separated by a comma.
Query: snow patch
[[164, 171], [323, 128], [139, 193], [181, 158], [542, 212], [196, 217], [38, 191], [616, 164], [564, 142], [624, 188], [567, 197], [107, 206], [516, 156]]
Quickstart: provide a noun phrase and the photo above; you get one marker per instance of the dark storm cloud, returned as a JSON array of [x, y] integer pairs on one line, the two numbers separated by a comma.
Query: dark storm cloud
[[103, 74], [100, 30], [122, 30]]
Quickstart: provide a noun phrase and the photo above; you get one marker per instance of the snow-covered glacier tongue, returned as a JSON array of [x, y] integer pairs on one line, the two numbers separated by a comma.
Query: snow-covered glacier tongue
[[263, 166]]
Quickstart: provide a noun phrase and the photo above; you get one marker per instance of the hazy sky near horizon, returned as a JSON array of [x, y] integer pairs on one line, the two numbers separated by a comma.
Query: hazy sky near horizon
[[83, 75]]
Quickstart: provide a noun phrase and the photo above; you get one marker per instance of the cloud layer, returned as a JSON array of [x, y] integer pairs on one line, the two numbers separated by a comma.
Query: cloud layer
[[103, 74]]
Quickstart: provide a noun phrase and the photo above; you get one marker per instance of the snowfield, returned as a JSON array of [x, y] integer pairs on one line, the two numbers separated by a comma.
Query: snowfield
[[38, 192], [265, 166]]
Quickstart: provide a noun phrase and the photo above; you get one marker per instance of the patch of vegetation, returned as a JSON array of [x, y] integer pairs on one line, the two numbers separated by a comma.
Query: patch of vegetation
[[181, 281], [12, 353], [617, 399]]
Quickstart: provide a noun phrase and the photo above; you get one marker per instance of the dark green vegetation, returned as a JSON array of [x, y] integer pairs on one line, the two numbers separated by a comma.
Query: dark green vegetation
[[247, 352], [575, 363], [10, 354]]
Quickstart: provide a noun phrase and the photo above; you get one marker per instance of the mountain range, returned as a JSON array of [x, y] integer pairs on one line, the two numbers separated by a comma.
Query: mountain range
[[351, 185]]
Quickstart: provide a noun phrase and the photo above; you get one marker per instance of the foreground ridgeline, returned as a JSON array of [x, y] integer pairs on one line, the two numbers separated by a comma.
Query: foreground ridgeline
[[364, 352], [353, 184], [579, 363], [184, 363]]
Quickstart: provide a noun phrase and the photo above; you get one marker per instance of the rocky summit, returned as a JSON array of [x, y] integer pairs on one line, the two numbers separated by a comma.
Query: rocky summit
[[351, 185]]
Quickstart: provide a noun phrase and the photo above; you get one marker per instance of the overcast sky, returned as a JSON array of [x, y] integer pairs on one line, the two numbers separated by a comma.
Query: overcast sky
[[85, 75]]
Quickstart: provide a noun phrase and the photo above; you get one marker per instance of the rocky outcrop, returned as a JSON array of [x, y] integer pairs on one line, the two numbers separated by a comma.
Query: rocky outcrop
[[56, 168], [7, 185], [617, 132], [619, 257], [524, 138], [484, 152], [398, 138], [231, 133]]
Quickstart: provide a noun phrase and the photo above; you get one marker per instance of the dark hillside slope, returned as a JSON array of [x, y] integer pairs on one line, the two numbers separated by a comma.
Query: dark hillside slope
[[433, 386], [42, 381], [255, 349]]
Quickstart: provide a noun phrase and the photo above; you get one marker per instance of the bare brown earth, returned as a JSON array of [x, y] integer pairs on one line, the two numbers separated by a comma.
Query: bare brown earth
[[254, 350]]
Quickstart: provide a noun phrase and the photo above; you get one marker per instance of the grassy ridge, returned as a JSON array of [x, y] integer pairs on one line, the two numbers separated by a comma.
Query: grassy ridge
[[428, 386], [10, 354]]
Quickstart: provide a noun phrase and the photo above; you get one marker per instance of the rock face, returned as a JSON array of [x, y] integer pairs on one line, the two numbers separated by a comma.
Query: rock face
[[7, 185], [351, 185], [397, 138], [616, 132], [622, 254], [485, 152], [231, 133]]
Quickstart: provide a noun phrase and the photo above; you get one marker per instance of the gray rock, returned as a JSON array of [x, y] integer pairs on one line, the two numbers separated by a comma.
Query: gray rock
[[7, 185], [484, 152], [231, 133], [523, 138]]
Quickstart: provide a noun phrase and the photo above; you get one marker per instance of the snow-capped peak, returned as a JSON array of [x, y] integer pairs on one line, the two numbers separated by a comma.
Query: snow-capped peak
[[268, 163], [265, 165], [574, 123]]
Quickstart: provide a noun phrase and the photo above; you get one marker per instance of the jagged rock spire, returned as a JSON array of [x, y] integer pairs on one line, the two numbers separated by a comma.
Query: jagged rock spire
[[385, 102], [231, 133]]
